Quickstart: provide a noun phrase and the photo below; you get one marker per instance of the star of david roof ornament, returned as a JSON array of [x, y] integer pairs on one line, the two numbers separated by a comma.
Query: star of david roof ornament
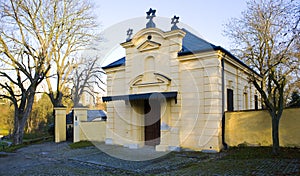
[[150, 16], [174, 21], [129, 33]]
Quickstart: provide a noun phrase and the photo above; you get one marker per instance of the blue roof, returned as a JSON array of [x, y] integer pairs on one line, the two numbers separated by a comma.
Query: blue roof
[[116, 63], [93, 114], [191, 44], [194, 44], [143, 96]]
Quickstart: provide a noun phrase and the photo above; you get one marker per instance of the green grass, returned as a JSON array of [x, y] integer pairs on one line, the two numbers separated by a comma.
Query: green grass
[[38, 140], [260, 153], [28, 139], [3, 155], [13, 148], [29, 136], [237, 161], [3, 143], [80, 144]]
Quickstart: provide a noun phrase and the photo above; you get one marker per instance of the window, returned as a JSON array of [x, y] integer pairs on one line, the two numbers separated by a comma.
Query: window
[[246, 101], [230, 100], [255, 102]]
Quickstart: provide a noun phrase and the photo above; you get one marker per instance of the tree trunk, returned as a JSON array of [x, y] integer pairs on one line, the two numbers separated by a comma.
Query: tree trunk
[[17, 135], [275, 134], [21, 115], [19, 125]]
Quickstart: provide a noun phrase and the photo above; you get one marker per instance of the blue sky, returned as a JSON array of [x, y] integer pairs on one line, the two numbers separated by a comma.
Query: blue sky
[[206, 17]]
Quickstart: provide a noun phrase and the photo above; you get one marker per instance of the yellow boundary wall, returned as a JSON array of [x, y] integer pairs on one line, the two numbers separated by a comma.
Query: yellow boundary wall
[[254, 128], [93, 131]]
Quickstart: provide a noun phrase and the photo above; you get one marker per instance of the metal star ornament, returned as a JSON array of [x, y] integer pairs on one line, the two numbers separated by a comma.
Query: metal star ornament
[[129, 33], [174, 21], [150, 16]]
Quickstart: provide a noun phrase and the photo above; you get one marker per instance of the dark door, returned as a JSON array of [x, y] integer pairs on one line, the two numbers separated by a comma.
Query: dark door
[[152, 122], [70, 129], [230, 100]]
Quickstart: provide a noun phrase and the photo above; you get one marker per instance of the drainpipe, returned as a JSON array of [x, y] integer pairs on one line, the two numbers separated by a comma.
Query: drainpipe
[[223, 102]]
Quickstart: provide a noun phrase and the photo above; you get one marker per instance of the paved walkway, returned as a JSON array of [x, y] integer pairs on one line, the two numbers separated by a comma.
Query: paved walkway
[[59, 159], [145, 160]]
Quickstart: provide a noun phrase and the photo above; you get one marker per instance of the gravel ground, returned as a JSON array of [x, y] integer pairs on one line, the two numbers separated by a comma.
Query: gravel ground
[[52, 159], [58, 159]]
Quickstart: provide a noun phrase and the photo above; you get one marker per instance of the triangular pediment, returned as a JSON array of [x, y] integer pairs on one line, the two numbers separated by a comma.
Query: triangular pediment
[[148, 45]]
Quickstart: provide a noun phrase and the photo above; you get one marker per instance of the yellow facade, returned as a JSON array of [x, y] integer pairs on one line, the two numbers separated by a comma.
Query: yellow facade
[[254, 128], [193, 121]]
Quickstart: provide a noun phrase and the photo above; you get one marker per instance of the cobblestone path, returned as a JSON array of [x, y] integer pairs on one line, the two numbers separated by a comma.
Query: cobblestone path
[[59, 159]]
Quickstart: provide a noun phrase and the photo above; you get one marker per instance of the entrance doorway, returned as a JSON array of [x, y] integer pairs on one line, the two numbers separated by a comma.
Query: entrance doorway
[[152, 121], [69, 127]]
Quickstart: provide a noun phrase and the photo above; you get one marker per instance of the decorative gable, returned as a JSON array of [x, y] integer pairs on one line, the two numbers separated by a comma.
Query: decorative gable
[[158, 79], [148, 45]]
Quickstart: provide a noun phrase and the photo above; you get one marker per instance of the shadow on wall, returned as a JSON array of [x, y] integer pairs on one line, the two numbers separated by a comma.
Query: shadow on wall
[[254, 128]]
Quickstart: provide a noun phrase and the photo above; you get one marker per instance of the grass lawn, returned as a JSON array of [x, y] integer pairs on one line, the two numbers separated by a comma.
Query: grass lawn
[[13, 148], [31, 136], [80, 144], [243, 161], [261, 153], [28, 139]]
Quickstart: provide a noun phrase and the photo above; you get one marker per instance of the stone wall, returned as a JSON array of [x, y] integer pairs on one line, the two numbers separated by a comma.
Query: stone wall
[[254, 128], [93, 131]]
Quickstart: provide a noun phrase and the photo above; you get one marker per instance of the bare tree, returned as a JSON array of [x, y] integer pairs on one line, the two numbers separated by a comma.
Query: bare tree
[[266, 37], [76, 29], [37, 34], [85, 78], [25, 54]]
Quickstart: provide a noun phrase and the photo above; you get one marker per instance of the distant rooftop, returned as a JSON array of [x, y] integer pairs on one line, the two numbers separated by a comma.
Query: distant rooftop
[[91, 115]]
